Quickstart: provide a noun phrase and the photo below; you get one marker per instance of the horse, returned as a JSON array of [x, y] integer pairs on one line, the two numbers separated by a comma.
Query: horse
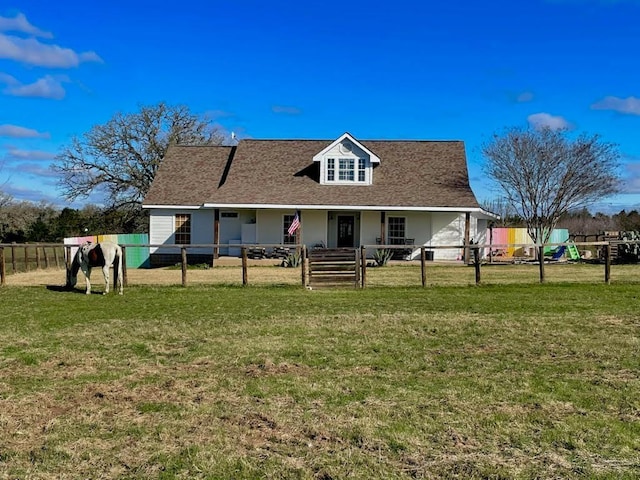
[[102, 254]]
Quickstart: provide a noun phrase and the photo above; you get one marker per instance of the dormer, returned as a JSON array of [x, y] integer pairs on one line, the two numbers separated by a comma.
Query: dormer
[[346, 162]]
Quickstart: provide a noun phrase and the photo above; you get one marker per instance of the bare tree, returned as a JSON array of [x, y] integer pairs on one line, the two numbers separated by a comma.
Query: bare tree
[[121, 157], [546, 173], [508, 216]]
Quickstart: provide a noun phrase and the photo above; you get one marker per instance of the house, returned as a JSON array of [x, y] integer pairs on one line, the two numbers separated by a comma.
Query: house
[[348, 193]]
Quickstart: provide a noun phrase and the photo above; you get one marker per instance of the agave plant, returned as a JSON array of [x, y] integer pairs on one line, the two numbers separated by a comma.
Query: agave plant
[[293, 260], [382, 256]]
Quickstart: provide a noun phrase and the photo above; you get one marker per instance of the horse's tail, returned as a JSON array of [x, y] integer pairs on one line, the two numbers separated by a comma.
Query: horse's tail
[[117, 268]]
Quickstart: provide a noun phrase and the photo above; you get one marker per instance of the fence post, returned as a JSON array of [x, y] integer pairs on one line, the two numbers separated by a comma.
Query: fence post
[[183, 253], [55, 257], [14, 261], [3, 273], [607, 264], [46, 257], [363, 256], [245, 278], [26, 258], [476, 259], [303, 266], [37, 257], [357, 268], [125, 283], [423, 266]]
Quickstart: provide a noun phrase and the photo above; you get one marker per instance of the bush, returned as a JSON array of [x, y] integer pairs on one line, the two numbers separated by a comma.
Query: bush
[[382, 256], [293, 260]]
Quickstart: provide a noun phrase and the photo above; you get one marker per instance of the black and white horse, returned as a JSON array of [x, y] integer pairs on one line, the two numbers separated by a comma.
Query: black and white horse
[[102, 254]]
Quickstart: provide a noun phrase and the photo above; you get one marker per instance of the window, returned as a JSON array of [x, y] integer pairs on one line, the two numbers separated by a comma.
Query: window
[[183, 229], [396, 229], [286, 238], [331, 169], [347, 170]]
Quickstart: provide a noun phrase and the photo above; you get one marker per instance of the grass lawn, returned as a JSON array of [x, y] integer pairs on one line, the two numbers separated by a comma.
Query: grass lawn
[[497, 381]]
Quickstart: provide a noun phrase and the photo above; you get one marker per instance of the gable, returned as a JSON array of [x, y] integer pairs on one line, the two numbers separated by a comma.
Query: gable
[[346, 162]]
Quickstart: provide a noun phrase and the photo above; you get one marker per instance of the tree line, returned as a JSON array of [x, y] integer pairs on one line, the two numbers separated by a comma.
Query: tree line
[[22, 222]]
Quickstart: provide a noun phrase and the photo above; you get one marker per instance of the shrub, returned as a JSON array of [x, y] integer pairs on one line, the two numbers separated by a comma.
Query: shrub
[[293, 260], [382, 256]]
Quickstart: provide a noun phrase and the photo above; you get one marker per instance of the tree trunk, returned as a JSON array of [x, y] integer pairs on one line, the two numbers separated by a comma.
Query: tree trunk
[[541, 261]]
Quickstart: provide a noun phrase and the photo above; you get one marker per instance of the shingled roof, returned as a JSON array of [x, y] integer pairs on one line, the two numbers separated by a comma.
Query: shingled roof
[[413, 174]]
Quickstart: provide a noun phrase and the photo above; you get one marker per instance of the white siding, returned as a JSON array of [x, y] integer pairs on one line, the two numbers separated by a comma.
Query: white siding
[[314, 228], [418, 227], [369, 227], [201, 227], [161, 228], [426, 228], [269, 222], [448, 229]]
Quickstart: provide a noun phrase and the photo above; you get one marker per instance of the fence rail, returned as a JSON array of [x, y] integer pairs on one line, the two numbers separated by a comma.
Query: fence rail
[[27, 257]]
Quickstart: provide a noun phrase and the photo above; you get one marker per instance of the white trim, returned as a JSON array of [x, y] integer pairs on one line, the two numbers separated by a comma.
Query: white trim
[[170, 207], [270, 206], [273, 206], [373, 158]]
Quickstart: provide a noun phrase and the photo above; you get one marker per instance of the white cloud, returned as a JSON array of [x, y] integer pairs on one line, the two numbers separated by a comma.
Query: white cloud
[[8, 79], [286, 110], [19, 23], [15, 131], [524, 97], [629, 105], [631, 176], [45, 87], [28, 155], [33, 52], [546, 120]]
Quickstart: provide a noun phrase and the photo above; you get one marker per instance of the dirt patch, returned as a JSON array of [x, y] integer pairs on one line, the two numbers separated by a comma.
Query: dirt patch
[[226, 270]]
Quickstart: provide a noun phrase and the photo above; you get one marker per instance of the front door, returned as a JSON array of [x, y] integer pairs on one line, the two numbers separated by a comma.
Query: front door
[[346, 227]]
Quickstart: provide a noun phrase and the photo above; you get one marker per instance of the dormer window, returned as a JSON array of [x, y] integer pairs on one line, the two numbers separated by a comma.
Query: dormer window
[[346, 169], [346, 162]]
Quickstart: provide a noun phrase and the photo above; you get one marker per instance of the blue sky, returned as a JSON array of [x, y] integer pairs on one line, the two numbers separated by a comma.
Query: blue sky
[[315, 69]]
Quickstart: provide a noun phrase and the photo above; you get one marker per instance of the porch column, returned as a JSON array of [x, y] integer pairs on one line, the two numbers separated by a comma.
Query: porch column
[[299, 230], [216, 231], [467, 229]]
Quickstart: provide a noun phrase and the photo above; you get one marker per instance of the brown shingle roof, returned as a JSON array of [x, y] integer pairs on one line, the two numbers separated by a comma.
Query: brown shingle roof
[[282, 172]]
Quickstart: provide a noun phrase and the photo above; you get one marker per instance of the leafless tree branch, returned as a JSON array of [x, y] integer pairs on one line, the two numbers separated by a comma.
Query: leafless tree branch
[[122, 156]]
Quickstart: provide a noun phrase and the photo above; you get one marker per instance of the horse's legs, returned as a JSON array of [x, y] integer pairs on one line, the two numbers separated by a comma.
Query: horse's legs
[[87, 278], [105, 272]]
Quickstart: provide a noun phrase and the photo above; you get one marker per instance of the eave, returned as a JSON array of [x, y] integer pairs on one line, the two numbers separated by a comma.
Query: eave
[[387, 208]]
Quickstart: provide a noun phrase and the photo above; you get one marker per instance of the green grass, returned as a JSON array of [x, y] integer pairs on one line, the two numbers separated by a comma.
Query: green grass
[[496, 381]]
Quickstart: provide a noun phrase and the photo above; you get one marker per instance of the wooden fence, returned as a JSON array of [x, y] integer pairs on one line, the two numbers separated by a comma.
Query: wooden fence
[[27, 257]]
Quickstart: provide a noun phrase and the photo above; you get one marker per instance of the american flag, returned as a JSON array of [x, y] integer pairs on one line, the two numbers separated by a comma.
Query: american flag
[[295, 224]]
